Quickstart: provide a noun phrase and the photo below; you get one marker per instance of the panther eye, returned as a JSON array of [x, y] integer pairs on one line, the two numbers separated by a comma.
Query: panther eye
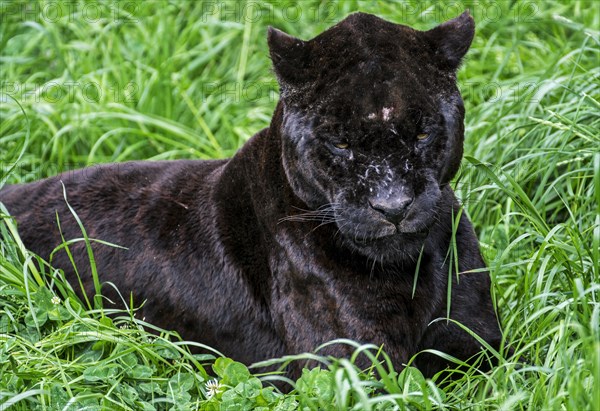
[[340, 148], [422, 136]]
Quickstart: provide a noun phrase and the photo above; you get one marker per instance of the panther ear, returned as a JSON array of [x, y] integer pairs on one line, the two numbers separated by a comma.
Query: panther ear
[[289, 56], [452, 39]]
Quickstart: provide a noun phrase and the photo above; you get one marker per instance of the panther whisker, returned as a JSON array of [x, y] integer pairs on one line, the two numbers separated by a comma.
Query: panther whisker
[[324, 214], [308, 218], [325, 223]]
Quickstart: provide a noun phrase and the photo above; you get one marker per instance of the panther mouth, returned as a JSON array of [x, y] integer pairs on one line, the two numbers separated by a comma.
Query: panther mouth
[[379, 229], [382, 229], [386, 241]]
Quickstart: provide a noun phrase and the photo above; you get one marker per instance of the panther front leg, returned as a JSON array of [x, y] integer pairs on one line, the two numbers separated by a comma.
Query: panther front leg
[[471, 306]]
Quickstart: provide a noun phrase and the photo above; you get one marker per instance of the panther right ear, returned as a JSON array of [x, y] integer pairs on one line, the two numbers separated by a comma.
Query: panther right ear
[[452, 40], [289, 56]]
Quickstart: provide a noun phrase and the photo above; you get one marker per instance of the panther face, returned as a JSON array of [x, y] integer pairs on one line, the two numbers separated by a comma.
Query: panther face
[[372, 125]]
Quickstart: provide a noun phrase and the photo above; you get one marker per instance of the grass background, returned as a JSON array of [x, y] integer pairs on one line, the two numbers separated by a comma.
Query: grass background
[[92, 82]]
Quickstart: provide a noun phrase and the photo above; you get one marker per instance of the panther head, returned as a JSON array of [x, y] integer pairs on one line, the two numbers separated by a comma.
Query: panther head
[[372, 124]]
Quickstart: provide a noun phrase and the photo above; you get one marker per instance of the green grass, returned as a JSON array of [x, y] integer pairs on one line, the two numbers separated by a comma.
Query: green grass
[[83, 85]]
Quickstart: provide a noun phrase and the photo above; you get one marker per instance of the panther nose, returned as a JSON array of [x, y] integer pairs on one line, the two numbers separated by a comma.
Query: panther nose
[[393, 207]]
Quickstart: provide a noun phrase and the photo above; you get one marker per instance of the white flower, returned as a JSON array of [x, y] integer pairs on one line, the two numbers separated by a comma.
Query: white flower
[[212, 388], [55, 300]]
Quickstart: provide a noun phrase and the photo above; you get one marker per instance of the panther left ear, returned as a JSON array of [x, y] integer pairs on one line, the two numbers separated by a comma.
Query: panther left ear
[[452, 40], [289, 56]]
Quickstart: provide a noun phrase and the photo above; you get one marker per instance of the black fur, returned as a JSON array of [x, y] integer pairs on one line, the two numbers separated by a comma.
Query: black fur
[[312, 231]]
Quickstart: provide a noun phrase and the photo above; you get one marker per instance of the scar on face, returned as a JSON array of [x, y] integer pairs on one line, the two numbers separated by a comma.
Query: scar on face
[[386, 114]]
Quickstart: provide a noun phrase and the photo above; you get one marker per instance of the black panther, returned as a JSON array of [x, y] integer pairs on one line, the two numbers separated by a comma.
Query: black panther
[[318, 228]]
